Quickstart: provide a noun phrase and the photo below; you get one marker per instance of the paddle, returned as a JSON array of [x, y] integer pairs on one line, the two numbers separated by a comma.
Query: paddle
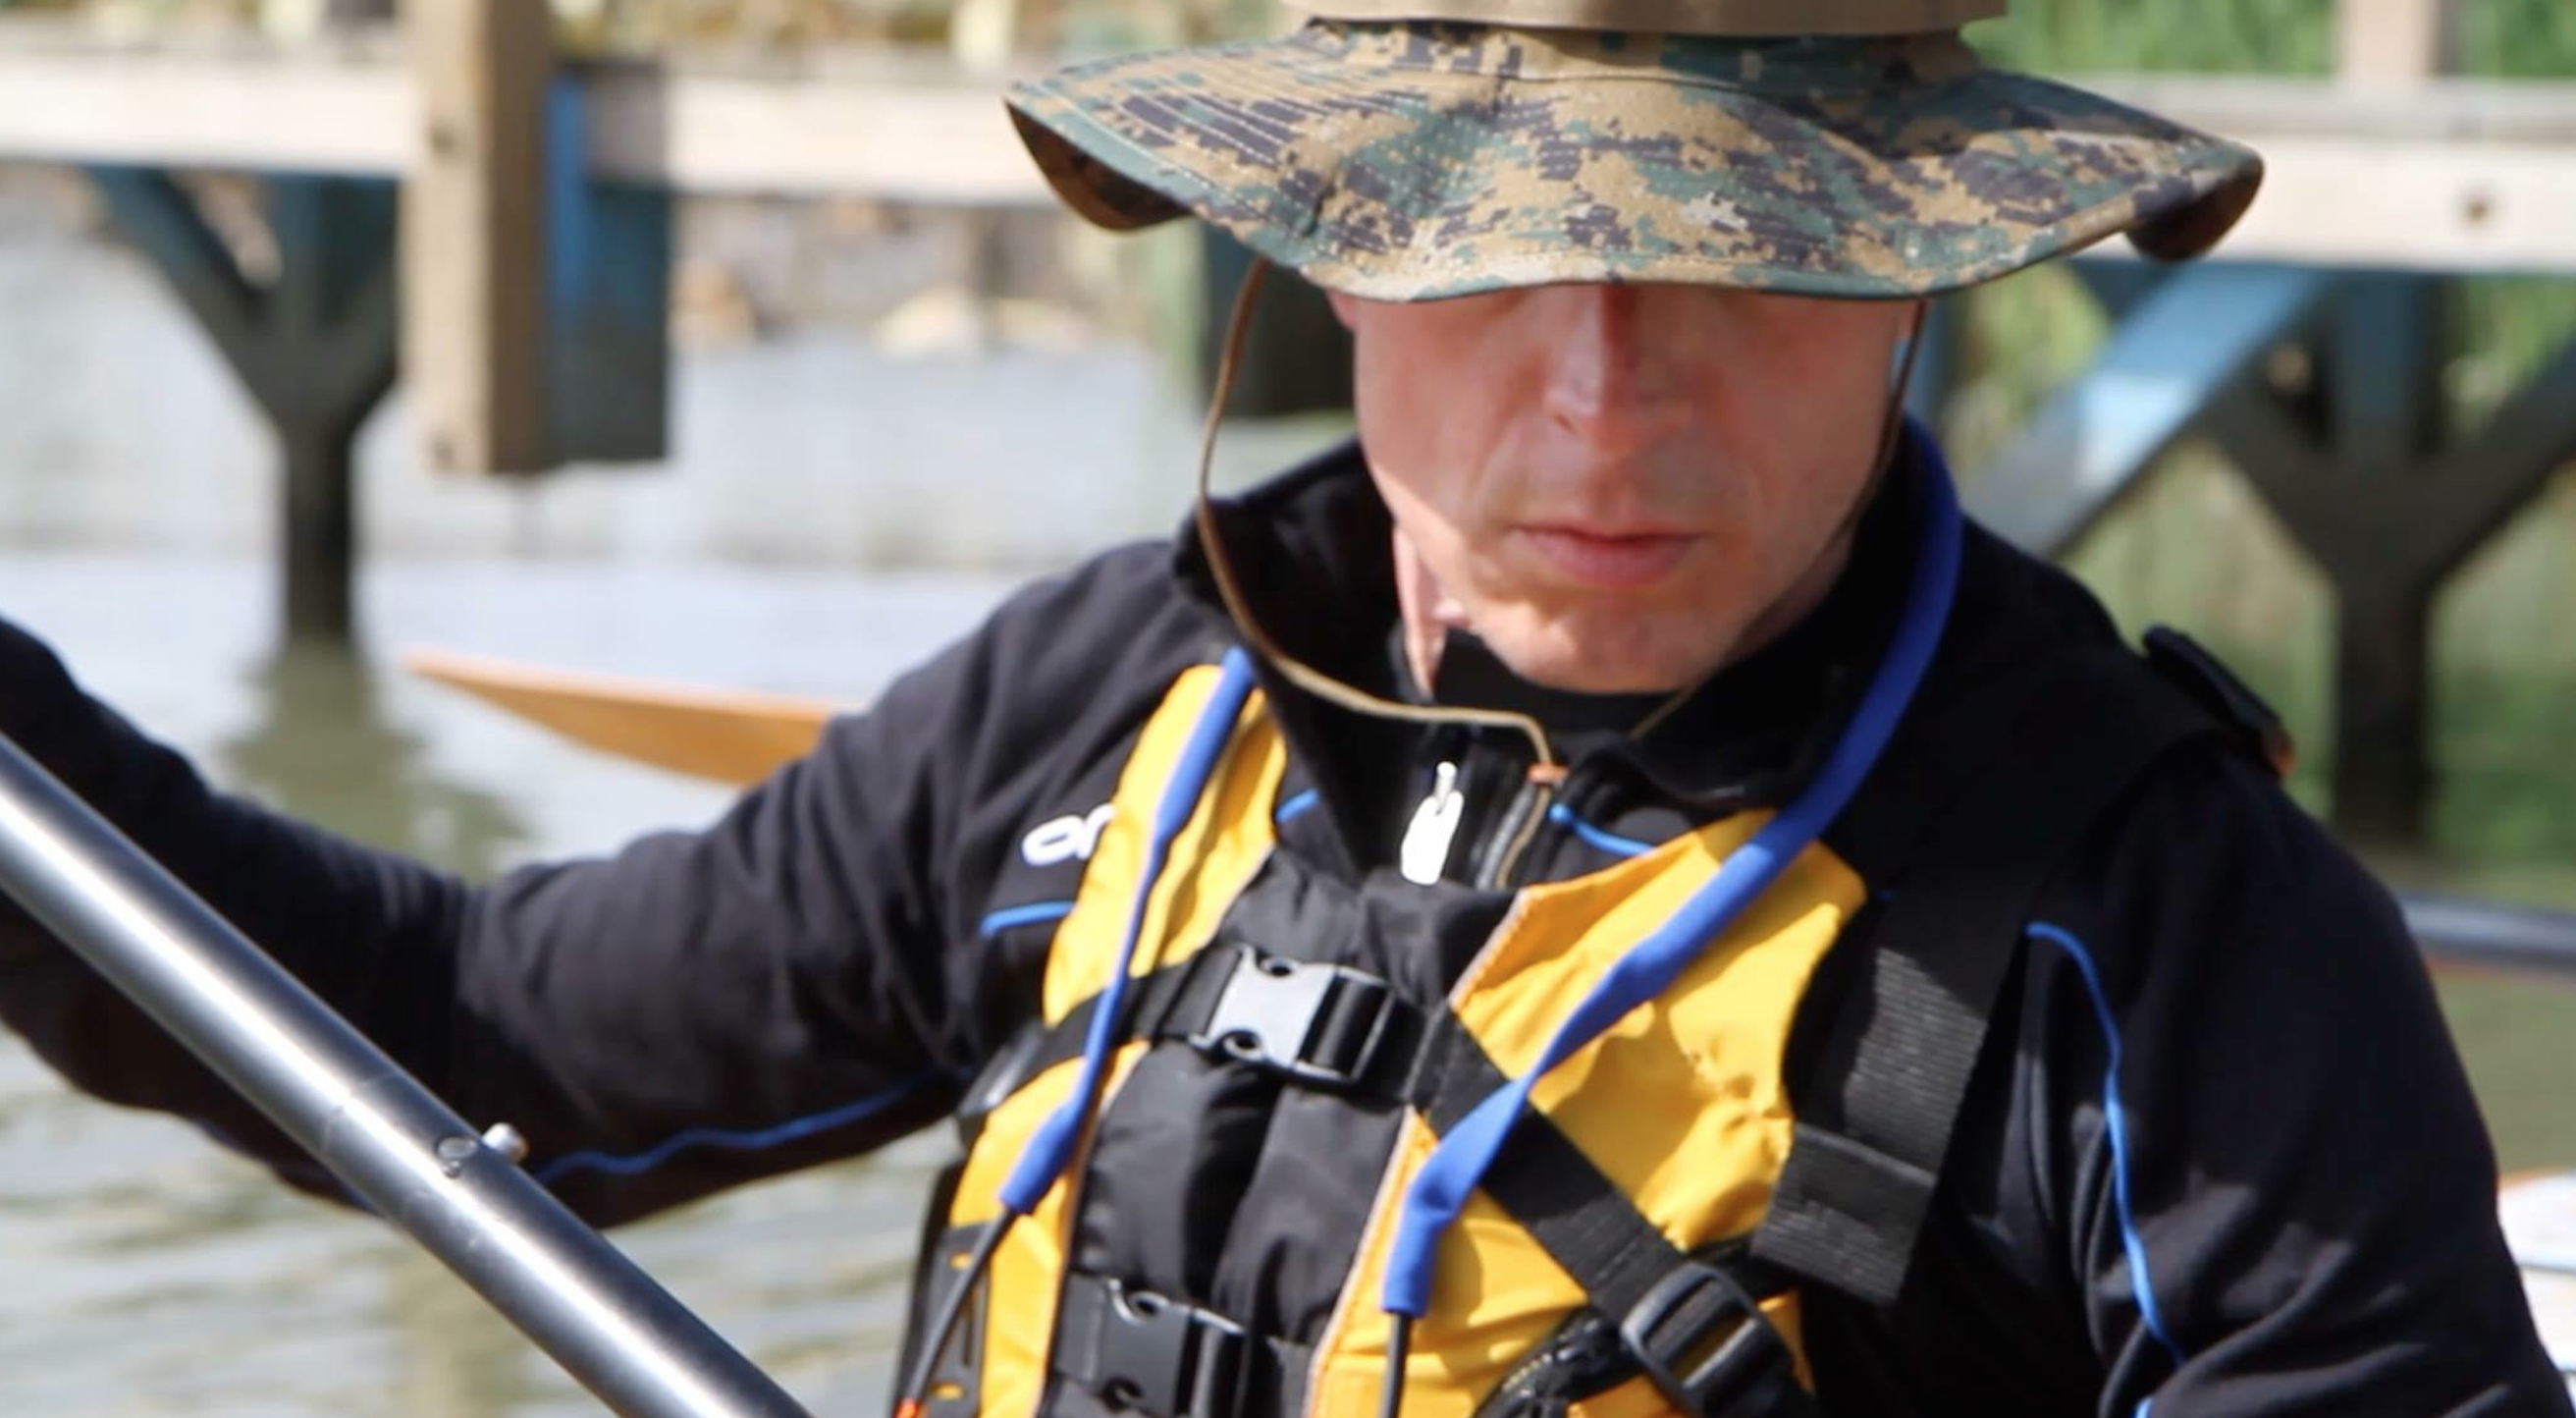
[[731, 736], [415, 1162]]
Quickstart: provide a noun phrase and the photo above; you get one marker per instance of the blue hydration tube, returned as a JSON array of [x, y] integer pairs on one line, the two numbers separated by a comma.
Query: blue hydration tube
[[1460, 1160], [1051, 1147]]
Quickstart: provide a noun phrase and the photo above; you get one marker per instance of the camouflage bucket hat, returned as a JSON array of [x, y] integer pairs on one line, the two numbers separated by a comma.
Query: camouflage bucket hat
[[1393, 150]]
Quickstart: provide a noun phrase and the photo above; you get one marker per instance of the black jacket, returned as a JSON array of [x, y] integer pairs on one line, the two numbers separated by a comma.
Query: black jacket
[[2299, 1217]]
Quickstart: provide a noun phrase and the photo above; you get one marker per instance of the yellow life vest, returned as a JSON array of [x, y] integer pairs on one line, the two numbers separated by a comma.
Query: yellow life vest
[[1681, 1105], [1203, 1220]]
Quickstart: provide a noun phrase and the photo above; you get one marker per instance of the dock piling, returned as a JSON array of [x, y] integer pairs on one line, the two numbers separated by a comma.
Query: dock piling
[[314, 349]]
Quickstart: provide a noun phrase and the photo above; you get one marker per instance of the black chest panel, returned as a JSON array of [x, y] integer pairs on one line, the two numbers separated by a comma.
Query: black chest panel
[[1234, 1184]]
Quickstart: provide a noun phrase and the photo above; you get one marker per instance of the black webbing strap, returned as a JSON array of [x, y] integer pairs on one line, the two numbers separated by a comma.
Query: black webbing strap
[[1544, 1181], [1145, 1353], [2024, 767], [1692, 1322]]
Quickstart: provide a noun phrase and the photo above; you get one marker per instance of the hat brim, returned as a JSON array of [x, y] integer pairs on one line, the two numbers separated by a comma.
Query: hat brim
[[1415, 162]]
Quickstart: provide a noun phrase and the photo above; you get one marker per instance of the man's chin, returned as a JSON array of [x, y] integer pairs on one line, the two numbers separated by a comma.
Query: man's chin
[[1604, 661]]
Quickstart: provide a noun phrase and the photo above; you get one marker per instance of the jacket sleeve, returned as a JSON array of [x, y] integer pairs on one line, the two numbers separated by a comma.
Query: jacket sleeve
[[2251, 1134], [786, 986]]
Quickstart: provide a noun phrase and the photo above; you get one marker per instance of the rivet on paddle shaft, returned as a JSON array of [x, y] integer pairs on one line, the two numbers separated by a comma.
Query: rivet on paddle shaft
[[453, 1152], [506, 1140]]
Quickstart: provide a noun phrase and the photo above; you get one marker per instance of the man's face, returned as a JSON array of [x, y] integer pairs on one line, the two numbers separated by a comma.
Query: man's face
[[1616, 487]]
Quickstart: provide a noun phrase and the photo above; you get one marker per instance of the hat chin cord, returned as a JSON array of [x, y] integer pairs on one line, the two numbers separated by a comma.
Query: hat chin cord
[[1298, 672], [1544, 769]]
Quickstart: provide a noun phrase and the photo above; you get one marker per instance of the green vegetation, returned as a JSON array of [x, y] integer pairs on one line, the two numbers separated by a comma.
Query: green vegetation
[[2214, 36], [2510, 38]]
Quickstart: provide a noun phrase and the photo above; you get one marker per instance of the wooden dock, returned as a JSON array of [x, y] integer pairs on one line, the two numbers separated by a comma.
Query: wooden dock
[[902, 127], [2450, 175]]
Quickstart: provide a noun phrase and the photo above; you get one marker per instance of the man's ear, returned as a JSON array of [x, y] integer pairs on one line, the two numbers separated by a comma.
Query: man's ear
[[1345, 307]]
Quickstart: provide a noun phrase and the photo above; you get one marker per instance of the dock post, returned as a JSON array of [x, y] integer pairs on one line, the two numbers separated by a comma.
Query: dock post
[[314, 348], [318, 536], [2383, 365], [474, 234], [332, 347], [2390, 509]]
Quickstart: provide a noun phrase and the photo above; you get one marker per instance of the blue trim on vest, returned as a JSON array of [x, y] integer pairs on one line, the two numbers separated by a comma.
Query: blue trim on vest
[[1441, 1188], [1050, 1148], [1295, 805], [2115, 1121]]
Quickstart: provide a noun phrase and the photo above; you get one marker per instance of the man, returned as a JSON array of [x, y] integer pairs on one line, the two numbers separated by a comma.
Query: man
[[1603, 897]]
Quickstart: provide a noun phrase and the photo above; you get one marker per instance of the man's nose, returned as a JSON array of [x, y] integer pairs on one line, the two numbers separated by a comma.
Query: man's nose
[[1612, 380]]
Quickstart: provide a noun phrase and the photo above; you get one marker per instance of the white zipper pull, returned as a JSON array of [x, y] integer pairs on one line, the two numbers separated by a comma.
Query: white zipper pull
[[1435, 823]]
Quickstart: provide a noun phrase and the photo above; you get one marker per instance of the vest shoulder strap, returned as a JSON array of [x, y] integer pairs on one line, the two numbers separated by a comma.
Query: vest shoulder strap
[[2001, 785]]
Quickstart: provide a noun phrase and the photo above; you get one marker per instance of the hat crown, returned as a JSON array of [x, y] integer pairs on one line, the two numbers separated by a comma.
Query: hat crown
[[1737, 19]]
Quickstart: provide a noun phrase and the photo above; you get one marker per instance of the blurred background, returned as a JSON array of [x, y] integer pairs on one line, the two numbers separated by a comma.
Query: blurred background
[[824, 382]]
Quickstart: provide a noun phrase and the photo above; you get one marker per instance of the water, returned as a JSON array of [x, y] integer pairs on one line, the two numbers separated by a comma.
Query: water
[[832, 514], [151, 1273]]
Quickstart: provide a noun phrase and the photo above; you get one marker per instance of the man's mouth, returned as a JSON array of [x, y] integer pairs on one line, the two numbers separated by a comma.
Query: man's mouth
[[1605, 559]]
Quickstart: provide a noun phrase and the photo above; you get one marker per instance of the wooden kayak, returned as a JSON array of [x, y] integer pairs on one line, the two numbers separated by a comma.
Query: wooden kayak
[[731, 736]]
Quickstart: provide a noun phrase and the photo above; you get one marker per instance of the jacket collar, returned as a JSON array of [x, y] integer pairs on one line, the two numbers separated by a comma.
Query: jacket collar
[[1312, 550]]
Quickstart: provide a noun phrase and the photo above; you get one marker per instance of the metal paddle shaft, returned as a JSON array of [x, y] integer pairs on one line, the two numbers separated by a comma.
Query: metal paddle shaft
[[395, 1144]]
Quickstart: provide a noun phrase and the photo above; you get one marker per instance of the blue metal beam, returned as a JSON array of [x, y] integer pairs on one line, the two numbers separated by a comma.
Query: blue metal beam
[[2197, 332], [2382, 351], [608, 300]]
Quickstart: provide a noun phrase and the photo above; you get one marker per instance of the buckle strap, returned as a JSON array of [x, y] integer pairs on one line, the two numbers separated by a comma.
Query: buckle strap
[[1702, 1338], [954, 1388], [1317, 1023], [1141, 1352], [1325, 1025]]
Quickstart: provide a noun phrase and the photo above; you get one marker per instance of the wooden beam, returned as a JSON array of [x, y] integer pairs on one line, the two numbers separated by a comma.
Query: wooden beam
[[930, 140], [473, 234], [2454, 174], [2420, 206], [2394, 42], [897, 126], [346, 108]]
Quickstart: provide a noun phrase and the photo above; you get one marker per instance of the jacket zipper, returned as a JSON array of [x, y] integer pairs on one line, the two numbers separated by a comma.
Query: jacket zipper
[[1513, 835]]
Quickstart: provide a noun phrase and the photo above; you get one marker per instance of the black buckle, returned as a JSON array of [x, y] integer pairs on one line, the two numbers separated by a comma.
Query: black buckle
[[1318, 1023], [1709, 1348], [1167, 1359]]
